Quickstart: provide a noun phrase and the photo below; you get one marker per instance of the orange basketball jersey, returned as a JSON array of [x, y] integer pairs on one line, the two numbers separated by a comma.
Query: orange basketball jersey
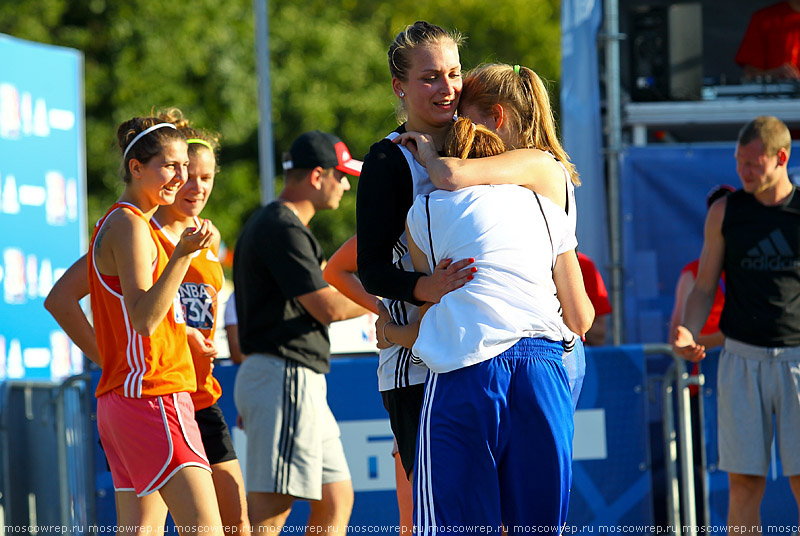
[[136, 366], [198, 294]]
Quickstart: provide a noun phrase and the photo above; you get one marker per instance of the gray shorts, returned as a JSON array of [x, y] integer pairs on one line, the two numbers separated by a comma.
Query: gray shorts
[[753, 384], [293, 441]]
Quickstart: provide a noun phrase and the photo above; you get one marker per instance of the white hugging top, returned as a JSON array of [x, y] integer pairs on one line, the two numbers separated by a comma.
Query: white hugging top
[[514, 236]]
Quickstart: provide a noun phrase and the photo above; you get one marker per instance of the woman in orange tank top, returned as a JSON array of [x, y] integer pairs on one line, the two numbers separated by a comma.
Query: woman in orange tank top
[[144, 410], [198, 293]]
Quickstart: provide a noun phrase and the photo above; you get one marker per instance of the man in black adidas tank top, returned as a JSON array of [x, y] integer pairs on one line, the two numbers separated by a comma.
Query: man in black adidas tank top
[[754, 235]]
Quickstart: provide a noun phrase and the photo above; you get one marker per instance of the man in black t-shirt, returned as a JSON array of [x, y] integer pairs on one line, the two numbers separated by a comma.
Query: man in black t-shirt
[[754, 235], [284, 307]]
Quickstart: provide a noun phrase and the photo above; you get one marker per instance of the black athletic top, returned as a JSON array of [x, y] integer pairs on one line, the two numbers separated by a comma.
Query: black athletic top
[[385, 194], [276, 260], [762, 271]]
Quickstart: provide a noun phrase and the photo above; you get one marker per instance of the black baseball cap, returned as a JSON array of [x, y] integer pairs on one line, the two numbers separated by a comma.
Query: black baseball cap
[[317, 148]]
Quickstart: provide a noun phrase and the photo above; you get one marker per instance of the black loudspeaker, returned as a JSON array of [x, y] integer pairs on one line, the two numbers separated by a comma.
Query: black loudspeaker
[[666, 51]]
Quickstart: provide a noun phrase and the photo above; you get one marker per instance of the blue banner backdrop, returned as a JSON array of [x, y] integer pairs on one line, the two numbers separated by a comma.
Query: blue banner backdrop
[[42, 194], [663, 198], [581, 126]]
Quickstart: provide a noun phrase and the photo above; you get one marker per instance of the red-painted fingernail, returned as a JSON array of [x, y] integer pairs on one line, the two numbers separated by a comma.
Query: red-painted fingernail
[[191, 229], [472, 259], [470, 277], [474, 269]]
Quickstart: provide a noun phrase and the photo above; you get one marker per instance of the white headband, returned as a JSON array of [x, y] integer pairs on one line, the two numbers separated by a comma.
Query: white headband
[[144, 133]]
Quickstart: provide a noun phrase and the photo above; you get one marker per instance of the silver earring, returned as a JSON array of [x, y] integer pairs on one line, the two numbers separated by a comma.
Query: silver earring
[[402, 94]]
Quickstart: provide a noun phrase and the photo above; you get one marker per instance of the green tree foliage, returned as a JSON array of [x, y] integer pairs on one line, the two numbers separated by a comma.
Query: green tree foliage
[[328, 69]]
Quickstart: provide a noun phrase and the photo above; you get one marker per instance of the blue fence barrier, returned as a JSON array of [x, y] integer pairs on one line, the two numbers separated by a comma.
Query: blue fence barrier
[[612, 477], [612, 474], [618, 478]]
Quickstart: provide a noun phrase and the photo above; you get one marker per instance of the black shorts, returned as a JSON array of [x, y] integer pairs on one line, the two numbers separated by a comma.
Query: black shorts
[[404, 405], [216, 438]]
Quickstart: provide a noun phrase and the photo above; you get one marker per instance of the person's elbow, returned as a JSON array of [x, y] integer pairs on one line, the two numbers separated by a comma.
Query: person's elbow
[[57, 309], [327, 275], [51, 304], [144, 326], [580, 320], [145, 330], [596, 334], [334, 276], [369, 278], [57, 304]]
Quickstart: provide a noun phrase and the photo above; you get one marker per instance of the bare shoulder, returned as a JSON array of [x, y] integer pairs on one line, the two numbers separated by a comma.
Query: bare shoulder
[[534, 158], [547, 164], [540, 157], [127, 231], [546, 176], [123, 233], [716, 213], [123, 223]]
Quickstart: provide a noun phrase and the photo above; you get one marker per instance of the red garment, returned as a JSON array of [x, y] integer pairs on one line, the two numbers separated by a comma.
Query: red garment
[[595, 287], [712, 324], [772, 38]]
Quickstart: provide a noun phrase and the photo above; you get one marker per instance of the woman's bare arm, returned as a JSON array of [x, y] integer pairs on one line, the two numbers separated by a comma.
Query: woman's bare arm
[[63, 302], [340, 272], [577, 310], [531, 168], [129, 242]]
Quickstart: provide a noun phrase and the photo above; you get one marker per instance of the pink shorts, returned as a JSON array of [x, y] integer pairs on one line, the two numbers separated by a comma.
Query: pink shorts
[[147, 440]]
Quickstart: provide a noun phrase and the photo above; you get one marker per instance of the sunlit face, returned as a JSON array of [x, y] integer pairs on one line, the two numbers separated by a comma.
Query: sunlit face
[[192, 198], [433, 86], [164, 174], [757, 171], [334, 185]]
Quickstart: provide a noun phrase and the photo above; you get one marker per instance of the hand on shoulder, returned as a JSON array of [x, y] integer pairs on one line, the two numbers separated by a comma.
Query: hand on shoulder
[[420, 145]]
